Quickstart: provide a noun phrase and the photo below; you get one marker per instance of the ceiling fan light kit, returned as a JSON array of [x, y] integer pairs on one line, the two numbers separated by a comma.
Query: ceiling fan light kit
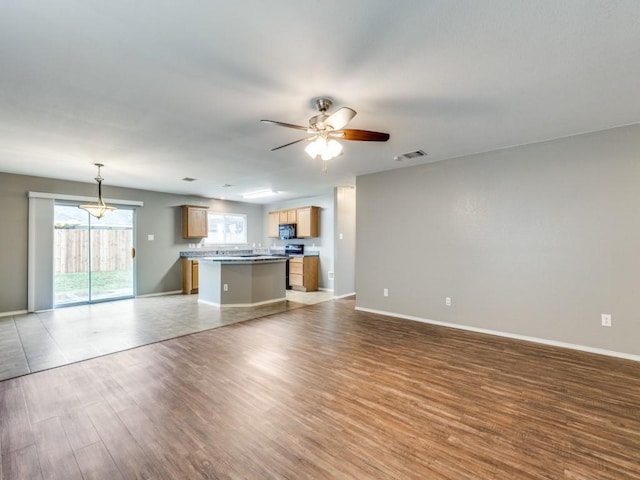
[[326, 149], [324, 129]]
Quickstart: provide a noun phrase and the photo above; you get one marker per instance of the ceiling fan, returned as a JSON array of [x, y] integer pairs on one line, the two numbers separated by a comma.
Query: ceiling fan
[[323, 130]]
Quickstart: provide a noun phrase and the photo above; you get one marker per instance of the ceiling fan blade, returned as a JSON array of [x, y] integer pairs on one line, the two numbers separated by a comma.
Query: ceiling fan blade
[[282, 124], [364, 135], [291, 143], [340, 118]]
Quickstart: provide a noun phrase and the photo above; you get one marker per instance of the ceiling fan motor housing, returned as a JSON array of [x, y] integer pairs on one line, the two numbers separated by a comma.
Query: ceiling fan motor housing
[[317, 122]]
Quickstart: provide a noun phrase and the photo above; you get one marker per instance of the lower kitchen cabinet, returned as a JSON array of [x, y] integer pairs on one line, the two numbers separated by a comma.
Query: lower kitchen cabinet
[[303, 273], [189, 276]]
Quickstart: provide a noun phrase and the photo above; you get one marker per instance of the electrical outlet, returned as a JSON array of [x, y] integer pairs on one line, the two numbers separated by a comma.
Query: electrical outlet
[[447, 301], [606, 319], [225, 287], [385, 292]]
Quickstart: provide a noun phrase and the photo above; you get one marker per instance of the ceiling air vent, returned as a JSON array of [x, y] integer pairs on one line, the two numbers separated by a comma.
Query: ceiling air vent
[[409, 156], [189, 179]]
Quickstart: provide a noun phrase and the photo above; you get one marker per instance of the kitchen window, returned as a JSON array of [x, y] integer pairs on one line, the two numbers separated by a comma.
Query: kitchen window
[[227, 229]]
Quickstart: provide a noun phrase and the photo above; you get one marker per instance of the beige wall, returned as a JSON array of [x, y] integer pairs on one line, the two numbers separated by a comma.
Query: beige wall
[[535, 241], [158, 265]]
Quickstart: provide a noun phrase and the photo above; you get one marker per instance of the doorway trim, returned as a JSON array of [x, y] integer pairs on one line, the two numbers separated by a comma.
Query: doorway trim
[[40, 248]]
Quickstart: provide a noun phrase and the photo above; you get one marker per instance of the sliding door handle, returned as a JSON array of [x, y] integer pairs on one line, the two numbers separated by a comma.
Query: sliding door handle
[[133, 252]]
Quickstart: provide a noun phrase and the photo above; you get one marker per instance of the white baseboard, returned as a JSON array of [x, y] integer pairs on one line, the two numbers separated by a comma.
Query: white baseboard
[[326, 289], [161, 294], [599, 351], [345, 295], [257, 304], [11, 314]]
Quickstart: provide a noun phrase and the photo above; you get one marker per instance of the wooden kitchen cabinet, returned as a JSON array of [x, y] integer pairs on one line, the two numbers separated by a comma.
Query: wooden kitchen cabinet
[[274, 222], [306, 220], [288, 216], [194, 221], [190, 272], [307, 225], [303, 273]]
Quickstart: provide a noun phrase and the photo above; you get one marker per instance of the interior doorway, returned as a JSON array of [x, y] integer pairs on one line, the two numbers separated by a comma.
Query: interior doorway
[[94, 259]]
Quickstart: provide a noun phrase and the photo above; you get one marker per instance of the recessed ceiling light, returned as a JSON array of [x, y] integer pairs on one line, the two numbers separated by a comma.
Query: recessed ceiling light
[[189, 179], [260, 194]]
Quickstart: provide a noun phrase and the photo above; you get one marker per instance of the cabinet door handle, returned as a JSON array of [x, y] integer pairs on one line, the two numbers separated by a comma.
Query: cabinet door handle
[[133, 252]]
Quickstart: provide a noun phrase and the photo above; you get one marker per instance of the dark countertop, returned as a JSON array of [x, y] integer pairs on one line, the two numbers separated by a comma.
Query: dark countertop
[[204, 252], [243, 259]]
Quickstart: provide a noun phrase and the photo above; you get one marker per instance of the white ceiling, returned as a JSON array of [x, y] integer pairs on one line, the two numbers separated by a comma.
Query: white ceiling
[[158, 90]]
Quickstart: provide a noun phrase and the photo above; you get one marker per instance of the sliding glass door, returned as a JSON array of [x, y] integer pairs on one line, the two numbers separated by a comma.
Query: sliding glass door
[[93, 258]]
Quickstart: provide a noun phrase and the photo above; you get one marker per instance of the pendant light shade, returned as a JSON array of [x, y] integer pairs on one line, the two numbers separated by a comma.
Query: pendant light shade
[[98, 209]]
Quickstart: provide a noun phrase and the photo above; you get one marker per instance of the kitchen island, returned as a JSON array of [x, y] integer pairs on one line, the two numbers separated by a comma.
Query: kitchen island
[[241, 281]]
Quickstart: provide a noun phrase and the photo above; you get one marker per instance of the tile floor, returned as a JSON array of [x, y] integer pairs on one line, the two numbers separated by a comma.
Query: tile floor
[[39, 341]]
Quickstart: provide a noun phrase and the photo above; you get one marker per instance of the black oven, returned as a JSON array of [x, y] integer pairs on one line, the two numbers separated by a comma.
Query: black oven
[[289, 250]]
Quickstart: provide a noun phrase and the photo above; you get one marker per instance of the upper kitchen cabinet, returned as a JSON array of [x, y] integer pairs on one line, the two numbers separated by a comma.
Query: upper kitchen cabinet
[[287, 216], [274, 222], [305, 218], [307, 223], [194, 221]]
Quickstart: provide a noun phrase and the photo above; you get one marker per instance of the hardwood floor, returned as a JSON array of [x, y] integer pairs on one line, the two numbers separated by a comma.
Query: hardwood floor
[[327, 392]]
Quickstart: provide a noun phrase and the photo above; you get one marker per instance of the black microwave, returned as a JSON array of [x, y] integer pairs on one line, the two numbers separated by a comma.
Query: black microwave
[[287, 231]]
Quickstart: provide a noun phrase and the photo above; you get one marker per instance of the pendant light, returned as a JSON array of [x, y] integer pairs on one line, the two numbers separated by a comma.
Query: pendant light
[[98, 209]]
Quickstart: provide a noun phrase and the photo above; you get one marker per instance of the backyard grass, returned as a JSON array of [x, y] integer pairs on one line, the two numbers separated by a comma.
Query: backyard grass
[[100, 281]]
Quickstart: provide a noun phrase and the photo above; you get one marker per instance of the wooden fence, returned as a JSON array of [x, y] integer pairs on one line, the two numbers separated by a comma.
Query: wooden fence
[[110, 250]]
